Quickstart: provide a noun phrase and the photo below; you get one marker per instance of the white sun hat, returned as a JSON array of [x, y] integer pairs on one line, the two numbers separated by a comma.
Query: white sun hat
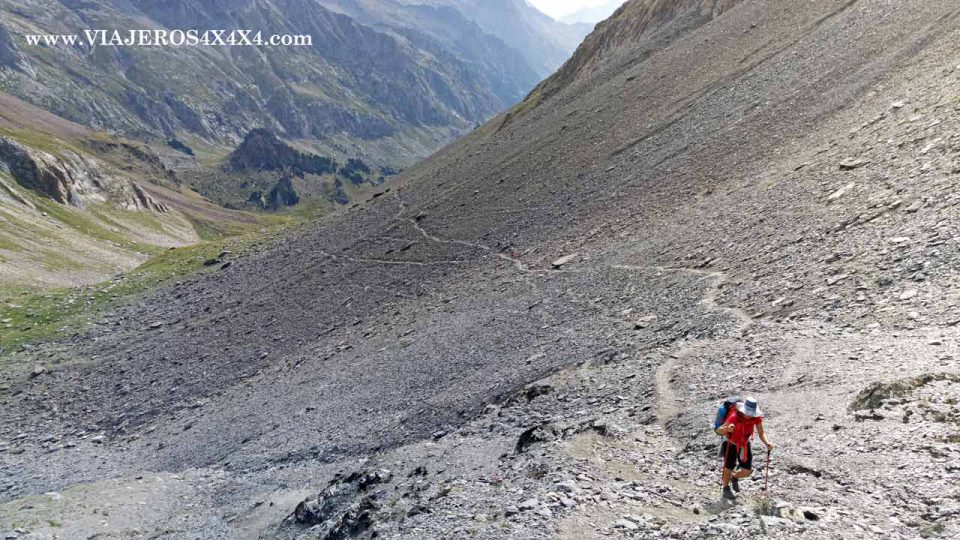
[[750, 408]]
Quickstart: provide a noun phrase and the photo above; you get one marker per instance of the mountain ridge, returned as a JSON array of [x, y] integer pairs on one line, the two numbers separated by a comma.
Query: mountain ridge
[[650, 25]]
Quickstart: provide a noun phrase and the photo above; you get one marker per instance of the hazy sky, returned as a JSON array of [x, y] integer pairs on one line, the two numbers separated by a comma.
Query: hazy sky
[[559, 8]]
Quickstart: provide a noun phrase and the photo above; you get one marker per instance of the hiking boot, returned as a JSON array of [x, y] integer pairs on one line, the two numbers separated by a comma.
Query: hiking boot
[[735, 482], [728, 494]]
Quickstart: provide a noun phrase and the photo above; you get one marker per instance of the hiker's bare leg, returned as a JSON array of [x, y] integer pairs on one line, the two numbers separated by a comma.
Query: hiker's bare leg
[[727, 474], [743, 473]]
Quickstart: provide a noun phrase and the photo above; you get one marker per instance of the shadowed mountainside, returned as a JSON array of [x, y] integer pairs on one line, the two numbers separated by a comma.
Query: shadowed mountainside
[[409, 78]]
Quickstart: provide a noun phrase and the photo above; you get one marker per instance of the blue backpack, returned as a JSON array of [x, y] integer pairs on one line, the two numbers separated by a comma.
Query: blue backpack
[[724, 409]]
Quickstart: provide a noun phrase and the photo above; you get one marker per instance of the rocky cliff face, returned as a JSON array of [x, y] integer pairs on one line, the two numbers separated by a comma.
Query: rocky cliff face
[[443, 29], [70, 178], [78, 207], [9, 53]]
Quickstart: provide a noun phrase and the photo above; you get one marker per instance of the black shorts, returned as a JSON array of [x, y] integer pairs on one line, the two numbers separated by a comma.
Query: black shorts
[[732, 455]]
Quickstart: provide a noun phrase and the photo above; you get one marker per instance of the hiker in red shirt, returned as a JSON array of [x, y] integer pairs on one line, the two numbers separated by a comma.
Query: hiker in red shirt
[[737, 431]]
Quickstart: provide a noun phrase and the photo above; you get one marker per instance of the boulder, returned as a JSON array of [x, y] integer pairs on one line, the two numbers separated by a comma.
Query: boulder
[[346, 508], [852, 163], [786, 511], [528, 504], [534, 435], [566, 259], [840, 192]]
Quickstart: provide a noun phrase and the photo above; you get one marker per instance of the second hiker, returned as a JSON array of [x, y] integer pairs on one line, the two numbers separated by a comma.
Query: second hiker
[[737, 431]]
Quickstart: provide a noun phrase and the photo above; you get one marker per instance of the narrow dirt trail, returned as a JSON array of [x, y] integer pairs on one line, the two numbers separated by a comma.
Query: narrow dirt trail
[[683, 482], [710, 298], [389, 261], [517, 263], [668, 406], [667, 400]]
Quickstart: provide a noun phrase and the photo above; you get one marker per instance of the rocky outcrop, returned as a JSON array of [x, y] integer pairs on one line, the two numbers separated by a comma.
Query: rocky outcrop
[[261, 150], [876, 393], [136, 159], [143, 201], [70, 178], [634, 22], [272, 175], [346, 508]]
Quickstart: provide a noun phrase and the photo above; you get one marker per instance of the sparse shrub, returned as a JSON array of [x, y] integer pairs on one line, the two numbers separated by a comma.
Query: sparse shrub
[[763, 506]]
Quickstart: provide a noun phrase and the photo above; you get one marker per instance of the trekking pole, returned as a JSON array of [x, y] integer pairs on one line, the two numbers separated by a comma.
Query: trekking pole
[[766, 474], [723, 463]]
